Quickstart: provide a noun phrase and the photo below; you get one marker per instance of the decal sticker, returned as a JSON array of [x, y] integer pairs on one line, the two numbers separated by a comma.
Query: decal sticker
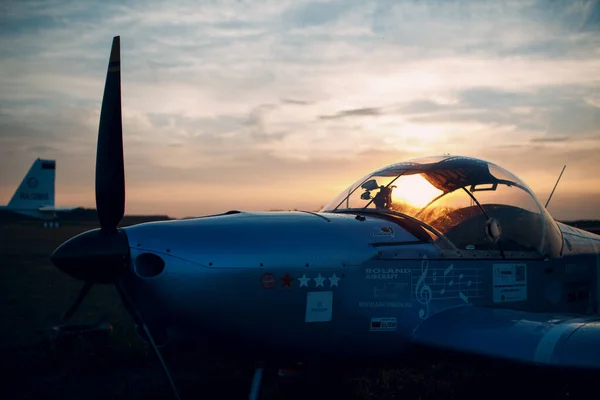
[[423, 287], [286, 281], [423, 290], [446, 272], [333, 280], [385, 273], [385, 231], [319, 281], [578, 294], [303, 280], [319, 306], [446, 284], [268, 281], [34, 196], [509, 282], [392, 292], [384, 304], [390, 295], [383, 324], [32, 183]]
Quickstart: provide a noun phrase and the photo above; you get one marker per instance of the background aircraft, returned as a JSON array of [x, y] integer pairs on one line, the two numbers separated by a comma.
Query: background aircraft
[[441, 253], [35, 196]]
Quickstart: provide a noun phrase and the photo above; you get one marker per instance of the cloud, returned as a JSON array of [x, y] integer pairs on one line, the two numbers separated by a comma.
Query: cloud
[[357, 112], [296, 102], [226, 91], [574, 118], [315, 13], [561, 113], [561, 139], [257, 123], [41, 149]]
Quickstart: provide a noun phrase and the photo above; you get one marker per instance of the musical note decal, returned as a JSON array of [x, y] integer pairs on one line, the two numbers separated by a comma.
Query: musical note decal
[[450, 283], [423, 291]]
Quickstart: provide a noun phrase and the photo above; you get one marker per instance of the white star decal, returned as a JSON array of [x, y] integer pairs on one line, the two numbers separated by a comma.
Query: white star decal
[[319, 280], [334, 280], [303, 280]]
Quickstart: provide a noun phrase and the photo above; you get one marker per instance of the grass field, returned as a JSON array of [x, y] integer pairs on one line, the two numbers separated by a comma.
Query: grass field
[[34, 294]]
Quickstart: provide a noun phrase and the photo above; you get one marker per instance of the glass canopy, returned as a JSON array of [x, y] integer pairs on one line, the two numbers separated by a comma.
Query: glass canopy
[[474, 204]]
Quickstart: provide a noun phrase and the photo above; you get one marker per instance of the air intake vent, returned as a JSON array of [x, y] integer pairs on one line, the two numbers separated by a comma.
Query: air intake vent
[[148, 265]]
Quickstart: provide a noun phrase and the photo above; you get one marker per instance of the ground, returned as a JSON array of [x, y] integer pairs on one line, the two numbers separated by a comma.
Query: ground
[[33, 294]]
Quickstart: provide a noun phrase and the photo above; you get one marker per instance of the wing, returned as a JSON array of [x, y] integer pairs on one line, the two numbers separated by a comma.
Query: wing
[[51, 209], [564, 341]]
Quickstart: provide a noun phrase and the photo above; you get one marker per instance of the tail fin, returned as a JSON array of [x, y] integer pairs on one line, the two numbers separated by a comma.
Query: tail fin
[[37, 188]]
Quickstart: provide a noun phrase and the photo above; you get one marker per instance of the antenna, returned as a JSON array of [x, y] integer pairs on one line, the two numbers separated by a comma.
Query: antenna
[[555, 185]]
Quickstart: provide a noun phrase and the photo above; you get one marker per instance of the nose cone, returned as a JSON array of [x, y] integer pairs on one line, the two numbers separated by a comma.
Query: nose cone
[[94, 256]]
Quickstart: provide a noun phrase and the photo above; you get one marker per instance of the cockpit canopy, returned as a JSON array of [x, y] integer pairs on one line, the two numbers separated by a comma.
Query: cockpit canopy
[[474, 204]]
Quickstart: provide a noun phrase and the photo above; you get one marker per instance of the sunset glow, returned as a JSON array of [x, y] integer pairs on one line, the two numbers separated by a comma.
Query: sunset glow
[[281, 104], [415, 190]]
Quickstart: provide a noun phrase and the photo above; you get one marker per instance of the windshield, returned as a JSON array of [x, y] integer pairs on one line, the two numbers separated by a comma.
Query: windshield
[[457, 196]]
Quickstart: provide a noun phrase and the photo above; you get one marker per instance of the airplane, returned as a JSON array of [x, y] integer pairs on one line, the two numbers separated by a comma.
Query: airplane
[[446, 253], [35, 196]]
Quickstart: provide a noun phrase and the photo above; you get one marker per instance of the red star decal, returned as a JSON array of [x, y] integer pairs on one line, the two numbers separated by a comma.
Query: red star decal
[[287, 280]]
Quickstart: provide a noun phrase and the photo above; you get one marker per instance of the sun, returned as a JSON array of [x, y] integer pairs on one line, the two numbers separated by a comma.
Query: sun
[[414, 190]]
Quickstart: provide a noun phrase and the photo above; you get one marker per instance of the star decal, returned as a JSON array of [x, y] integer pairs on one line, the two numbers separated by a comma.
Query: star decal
[[287, 280], [303, 280], [334, 280], [319, 280]]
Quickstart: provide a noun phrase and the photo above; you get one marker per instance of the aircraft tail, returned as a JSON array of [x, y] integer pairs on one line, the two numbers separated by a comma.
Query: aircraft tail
[[37, 188]]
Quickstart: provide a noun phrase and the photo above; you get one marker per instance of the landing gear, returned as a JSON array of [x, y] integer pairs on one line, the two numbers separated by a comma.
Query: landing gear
[[288, 375], [256, 382]]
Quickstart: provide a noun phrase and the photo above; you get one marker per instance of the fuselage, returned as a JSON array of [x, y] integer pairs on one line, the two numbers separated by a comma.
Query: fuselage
[[294, 285]]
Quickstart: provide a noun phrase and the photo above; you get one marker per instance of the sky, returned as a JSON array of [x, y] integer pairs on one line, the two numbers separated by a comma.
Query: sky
[[260, 105]]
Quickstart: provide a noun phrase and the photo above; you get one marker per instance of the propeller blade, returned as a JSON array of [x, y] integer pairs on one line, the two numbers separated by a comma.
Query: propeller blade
[[85, 289], [162, 361], [138, 319], [110, 170]]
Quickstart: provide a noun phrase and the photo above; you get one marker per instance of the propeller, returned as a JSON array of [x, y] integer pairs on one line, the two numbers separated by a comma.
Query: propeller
[[85, 289], [110, 169], [102, 255]]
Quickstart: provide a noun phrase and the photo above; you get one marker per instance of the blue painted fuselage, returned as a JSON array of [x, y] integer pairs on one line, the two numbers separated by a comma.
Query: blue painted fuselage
[[302, 286]]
